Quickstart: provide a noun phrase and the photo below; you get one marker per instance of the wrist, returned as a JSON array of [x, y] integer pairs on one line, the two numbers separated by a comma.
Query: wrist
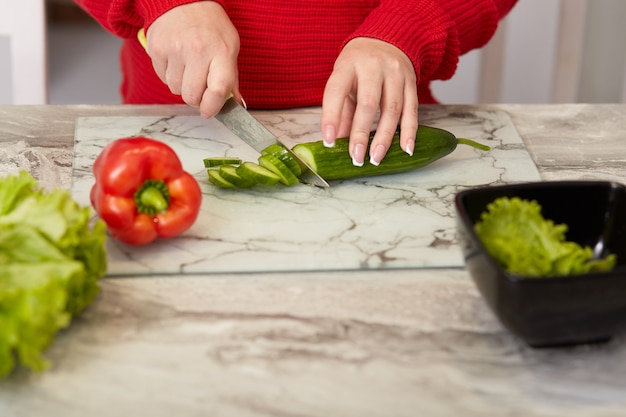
[[150, 10]]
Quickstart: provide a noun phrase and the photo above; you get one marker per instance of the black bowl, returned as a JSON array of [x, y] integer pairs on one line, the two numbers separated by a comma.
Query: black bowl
[[555, 311]]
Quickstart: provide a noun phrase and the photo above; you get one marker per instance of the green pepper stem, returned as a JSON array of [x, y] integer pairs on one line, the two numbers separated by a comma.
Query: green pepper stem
[[152, 197]]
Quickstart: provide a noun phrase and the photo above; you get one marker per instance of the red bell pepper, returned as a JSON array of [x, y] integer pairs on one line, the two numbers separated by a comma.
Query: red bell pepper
[[142, 192]]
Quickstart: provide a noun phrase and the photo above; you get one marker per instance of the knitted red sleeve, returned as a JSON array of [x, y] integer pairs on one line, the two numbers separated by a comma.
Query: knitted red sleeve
[[434, 33], [125, 17]]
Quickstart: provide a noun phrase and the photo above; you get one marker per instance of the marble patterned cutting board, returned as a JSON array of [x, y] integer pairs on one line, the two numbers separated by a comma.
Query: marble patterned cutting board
[[385, 222]]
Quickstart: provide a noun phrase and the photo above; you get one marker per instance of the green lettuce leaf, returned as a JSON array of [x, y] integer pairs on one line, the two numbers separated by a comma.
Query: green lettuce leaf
[[51, 257], [523, 242]]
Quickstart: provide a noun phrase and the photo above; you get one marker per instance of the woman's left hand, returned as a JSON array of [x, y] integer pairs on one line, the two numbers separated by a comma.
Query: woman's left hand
[[370, 75]]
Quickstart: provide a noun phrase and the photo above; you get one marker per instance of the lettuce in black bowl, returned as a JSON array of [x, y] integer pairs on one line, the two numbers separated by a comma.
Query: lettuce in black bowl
[[555, 304]]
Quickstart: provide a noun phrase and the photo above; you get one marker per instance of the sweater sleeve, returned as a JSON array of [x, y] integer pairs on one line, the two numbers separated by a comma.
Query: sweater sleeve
[[125, 17], [434, 33]]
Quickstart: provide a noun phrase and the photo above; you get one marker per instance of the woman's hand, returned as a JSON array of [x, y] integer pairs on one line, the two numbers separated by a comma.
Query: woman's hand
[[370, 75], [194, 49]]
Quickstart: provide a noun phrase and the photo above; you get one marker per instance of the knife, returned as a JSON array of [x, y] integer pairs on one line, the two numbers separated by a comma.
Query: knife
[[239, 121]]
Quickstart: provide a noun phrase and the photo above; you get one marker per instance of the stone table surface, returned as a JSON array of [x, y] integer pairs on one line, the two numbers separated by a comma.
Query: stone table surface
[[408, 342]]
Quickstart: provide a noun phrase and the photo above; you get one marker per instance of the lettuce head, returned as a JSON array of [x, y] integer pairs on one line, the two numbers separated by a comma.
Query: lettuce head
[[51, 257]]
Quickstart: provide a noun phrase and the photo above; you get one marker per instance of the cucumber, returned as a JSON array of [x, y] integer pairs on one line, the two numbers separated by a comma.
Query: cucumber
[[257, 173], [216, 178], [230, 174], [282, 153], [276, 163], [287, 177], [335, 163], [221, 160]]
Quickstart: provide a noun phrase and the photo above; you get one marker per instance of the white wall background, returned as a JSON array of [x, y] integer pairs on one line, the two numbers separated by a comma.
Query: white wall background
[[6, 75], [546, 51], [604, 53], [23, 51]]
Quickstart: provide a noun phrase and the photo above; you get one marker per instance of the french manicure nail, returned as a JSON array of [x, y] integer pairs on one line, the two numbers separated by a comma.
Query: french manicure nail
[[377, 155], [329, 136], [409, 148], [243, 103], [358, 156]]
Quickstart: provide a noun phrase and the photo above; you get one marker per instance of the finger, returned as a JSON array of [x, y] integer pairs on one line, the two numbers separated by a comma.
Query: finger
[[160, 68], [368, 102], [390, 112], [174, 76], [409, 120], [333, 107], [347, 114], [194, 82], [221, 80], [158, 55]]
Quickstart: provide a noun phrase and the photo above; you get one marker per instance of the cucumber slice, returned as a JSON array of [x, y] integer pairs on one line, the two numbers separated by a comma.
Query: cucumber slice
[[216, 178], [257, 173], [229, 173], [219, 161], [285, 156], [273, 149], [287, 177]]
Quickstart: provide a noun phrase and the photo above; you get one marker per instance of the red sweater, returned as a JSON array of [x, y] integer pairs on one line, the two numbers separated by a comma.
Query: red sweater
[[288, 47]]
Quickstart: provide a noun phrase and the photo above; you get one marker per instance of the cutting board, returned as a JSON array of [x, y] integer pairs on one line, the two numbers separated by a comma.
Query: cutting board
[[385, 222]]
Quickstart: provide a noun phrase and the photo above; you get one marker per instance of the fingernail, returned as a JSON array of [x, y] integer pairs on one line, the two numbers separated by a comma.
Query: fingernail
[[358, 156], [243, 103], [377, 155], [409, 148], [329, 136]]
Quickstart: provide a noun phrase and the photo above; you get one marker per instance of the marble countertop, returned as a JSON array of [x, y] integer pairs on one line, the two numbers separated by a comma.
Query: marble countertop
[[336, 343]]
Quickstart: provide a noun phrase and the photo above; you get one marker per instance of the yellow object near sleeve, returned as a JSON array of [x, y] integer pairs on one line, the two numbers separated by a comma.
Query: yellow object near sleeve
[[141, 36]]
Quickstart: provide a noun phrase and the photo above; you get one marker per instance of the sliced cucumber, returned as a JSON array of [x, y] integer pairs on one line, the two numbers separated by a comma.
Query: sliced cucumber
[[335, 163], [282, 153], [273, 149], [216, 178], [230, 174], [257, 173], [219, 161], [287, 177]]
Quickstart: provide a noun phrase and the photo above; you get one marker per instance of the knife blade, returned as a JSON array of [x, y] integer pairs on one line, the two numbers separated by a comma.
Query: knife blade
[[247, 128]]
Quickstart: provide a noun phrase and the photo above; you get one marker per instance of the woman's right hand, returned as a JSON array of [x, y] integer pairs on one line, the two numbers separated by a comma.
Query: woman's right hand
[[194, 49]]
